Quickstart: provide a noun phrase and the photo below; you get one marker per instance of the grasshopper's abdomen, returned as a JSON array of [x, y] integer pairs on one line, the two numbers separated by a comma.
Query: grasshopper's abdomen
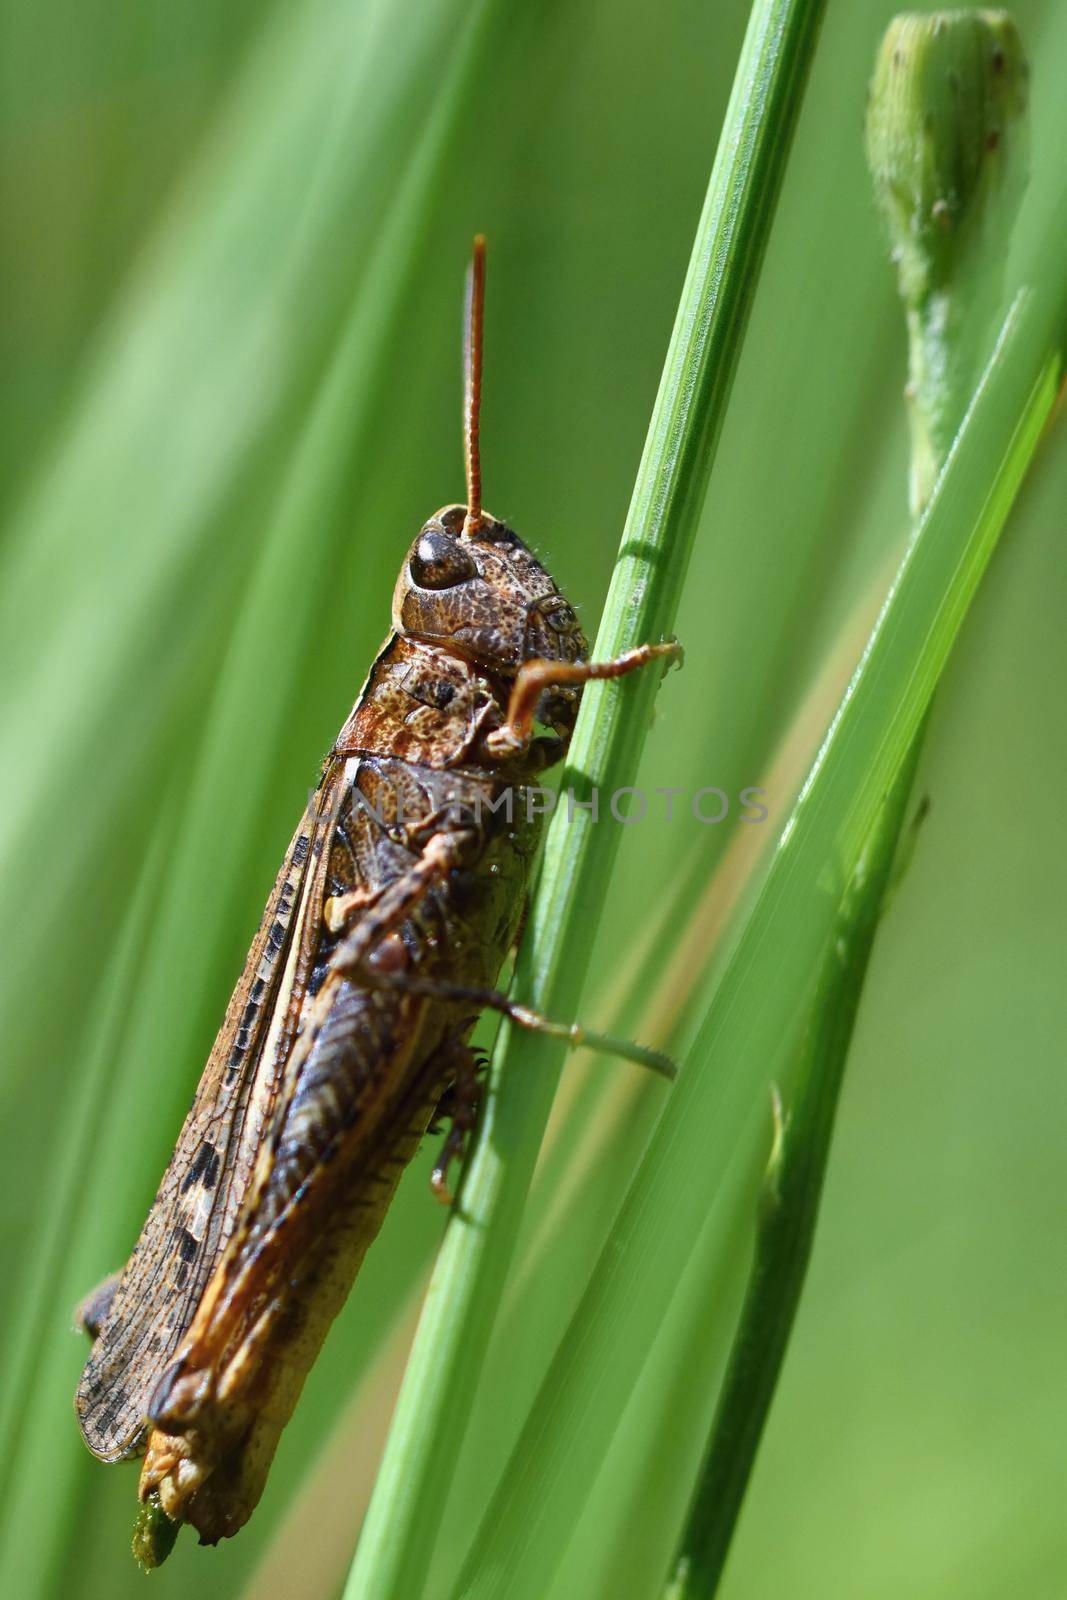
[[245, 1363]]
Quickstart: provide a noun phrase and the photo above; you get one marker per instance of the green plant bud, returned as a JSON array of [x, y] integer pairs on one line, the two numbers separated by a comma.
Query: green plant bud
[[944, 133]]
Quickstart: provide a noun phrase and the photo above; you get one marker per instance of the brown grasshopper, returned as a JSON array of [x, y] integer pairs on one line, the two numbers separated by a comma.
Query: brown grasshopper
[[399, 898]]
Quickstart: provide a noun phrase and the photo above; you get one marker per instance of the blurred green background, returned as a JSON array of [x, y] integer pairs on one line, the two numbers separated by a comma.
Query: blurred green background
[[235, 240]]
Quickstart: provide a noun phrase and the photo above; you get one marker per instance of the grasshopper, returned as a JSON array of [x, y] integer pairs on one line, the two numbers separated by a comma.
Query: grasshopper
[[399, 899]]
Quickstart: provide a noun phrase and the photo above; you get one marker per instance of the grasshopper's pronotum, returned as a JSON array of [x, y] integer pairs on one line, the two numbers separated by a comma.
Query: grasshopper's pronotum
[[399, 898]]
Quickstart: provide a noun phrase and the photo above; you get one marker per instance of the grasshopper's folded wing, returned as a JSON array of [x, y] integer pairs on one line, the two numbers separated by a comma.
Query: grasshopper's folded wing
[[199, 1198]]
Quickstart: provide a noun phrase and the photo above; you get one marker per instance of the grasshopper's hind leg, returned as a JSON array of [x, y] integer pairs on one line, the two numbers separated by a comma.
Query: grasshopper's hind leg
[[91, 1313]]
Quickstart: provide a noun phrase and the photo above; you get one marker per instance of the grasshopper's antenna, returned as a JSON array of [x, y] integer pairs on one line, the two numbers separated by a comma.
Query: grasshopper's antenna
[[472, 385]]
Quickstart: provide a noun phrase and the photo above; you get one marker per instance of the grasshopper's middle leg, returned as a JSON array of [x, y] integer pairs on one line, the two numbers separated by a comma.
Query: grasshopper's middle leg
[[577, 1037], [443, 851]]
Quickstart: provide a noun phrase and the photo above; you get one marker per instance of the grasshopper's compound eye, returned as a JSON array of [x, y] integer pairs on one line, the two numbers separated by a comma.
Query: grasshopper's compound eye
[[438, 562]]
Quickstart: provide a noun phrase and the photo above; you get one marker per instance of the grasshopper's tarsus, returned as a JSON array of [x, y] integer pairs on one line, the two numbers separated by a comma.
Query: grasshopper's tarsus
[[453, 1149]]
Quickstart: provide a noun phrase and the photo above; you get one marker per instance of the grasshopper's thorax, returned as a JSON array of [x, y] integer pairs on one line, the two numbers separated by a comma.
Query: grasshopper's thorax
[[468, 611]]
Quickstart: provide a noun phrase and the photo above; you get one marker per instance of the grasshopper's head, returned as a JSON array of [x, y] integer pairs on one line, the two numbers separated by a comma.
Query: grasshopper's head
[[469, 585], [483, 596]]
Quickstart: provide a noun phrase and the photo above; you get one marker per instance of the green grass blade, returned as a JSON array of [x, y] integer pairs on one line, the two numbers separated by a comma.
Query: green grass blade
[[37, 1475], [787, 1211], [767, 979], [397, 1542]]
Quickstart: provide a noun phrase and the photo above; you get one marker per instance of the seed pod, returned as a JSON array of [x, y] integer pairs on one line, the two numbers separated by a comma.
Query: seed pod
[[944, 127]]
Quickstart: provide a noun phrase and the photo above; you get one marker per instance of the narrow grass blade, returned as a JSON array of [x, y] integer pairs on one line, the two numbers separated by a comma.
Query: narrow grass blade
[[37, 1475], [787, 1212]]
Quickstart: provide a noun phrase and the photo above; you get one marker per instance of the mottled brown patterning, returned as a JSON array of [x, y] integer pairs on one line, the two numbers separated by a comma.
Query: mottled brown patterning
[[197, 1202], [397, 903]]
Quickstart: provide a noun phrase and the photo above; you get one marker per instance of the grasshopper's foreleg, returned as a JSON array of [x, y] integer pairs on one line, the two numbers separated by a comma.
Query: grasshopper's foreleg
[[534, 677]]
